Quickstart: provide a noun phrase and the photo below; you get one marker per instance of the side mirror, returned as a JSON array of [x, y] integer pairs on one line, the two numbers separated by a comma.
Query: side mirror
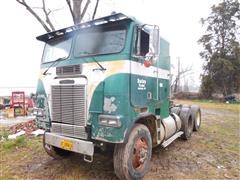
[[154, 40], [138, 41], [153, 51], [147, 43]]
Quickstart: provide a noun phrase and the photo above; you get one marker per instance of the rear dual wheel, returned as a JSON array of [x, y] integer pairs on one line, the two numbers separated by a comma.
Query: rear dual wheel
[[196, 115], [187, 128], [191, 119], [187, 122], [131, 160]]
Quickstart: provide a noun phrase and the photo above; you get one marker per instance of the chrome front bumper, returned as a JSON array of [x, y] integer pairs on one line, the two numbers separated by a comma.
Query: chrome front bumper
[[78, 146]]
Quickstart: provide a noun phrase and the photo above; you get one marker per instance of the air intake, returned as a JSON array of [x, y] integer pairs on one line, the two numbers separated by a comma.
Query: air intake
[[69, 70]]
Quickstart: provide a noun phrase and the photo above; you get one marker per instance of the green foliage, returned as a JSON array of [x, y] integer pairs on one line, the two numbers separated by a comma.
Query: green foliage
[[207, 86], [221, 49], [3, 134], [10, 144]]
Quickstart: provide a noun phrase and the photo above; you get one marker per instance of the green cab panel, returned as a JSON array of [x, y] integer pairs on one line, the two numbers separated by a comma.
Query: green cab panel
[[116, 103], [127, 89], [43, 106]]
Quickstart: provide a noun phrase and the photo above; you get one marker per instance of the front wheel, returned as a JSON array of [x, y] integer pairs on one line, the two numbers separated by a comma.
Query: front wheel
[[131, 160]]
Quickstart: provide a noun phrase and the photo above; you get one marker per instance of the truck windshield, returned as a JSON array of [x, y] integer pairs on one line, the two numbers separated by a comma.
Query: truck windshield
[[56, 49], [104, 41]]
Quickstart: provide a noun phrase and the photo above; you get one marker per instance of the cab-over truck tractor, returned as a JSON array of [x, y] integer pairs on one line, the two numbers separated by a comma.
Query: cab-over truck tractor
[[105, 84]]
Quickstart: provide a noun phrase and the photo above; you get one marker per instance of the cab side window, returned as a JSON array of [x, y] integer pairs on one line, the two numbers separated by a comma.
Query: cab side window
[[142, 42], [144, 46]]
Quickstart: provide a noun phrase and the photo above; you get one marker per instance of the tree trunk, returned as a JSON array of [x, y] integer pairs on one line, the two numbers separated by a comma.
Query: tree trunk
[[77, 11]]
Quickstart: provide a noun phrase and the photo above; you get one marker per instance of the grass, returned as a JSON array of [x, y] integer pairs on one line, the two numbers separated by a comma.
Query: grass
[[212, 104], [212, 153], [15, 143], [3, 133], [220, 127], [15, 153], [7, 144]]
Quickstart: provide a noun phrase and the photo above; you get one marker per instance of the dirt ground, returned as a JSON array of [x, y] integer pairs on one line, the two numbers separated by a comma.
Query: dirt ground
[[211, 153]]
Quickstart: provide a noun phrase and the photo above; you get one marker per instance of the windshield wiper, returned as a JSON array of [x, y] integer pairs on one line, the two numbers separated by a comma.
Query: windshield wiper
[[101, 67], [53, 63]]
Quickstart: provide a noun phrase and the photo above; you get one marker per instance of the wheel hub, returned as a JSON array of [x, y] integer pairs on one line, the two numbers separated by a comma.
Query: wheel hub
[[143, 155], [198, 119], [140, 152]]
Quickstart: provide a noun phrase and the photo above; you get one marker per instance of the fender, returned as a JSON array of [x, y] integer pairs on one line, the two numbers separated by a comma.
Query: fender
[[141, 116]]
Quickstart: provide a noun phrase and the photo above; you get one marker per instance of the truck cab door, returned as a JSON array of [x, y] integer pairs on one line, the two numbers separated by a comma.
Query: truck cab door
[[144, 66]]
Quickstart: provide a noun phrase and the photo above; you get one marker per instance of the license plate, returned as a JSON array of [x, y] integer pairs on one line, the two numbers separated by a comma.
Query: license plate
[[66, 144]]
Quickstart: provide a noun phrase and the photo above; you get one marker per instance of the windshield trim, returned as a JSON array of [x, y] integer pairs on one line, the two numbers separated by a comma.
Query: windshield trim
[[123, 27], [62, 59]]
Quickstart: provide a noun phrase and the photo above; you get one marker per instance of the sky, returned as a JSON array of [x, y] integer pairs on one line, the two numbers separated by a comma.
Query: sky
[[179, 23]]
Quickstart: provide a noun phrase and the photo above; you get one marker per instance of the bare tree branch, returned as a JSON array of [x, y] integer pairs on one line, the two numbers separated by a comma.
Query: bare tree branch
[[181, 73], [47, 16], [49, 12], [53, 10], [70, 9], [95, 10], [84, 10], [76, 8], [37, 8], [77, 11], [22, 2]]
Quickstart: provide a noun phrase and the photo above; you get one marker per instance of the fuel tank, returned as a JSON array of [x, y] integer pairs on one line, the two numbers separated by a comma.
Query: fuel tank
[[171, 125]]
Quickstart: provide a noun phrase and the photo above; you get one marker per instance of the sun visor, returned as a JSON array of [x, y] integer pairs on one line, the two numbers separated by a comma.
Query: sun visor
[[69, 30]]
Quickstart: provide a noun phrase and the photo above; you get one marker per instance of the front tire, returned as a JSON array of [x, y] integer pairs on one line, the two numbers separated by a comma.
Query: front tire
[[131, 160]]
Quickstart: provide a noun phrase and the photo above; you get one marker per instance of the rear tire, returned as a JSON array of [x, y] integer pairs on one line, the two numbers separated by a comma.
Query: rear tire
[[187, 123], [55, 152], [196, 115], [131, 160]]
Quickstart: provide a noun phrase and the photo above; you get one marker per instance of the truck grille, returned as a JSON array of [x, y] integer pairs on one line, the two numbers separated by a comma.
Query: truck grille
[[69, 130], [69, 110]]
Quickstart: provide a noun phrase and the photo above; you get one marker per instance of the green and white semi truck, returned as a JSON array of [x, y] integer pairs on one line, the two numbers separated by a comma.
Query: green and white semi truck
[[106, 84]]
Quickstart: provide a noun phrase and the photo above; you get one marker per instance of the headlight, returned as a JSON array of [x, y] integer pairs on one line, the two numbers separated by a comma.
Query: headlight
[[109, 120]]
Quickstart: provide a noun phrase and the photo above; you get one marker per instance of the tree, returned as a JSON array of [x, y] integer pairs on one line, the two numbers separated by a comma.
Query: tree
[[181, 73], [77, 8], [221, 49]]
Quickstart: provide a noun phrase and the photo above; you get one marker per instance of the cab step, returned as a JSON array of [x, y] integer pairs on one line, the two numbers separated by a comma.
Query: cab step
[[171, 139]]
